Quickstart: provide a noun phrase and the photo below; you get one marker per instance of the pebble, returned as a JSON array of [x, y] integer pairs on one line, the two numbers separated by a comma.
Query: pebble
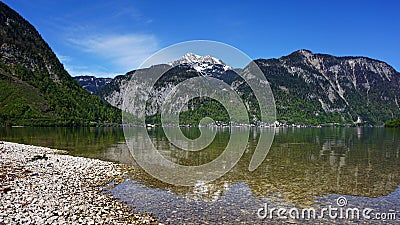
[[61, 189]]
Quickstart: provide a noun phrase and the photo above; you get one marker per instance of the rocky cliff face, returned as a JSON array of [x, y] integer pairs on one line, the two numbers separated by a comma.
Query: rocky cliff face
[[115, 90], [322, 88], [308, 88]]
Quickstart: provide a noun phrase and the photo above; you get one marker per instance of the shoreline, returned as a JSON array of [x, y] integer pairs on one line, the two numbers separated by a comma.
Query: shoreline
[[39, 185]]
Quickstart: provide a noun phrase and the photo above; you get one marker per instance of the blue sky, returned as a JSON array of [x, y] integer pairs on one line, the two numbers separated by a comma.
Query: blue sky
[[106, 38]]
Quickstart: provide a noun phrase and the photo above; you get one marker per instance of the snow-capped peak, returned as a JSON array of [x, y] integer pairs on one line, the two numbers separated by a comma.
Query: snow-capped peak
[[203, 64], [190, 58]]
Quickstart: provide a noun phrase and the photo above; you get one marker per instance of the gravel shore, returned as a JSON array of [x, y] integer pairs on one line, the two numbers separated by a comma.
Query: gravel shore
[[40, 185]]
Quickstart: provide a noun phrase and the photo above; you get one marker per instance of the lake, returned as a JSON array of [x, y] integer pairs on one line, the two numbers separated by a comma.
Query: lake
[[305, 168]]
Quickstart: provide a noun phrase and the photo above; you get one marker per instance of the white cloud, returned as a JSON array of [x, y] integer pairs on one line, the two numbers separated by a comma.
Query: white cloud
[[126, 52]]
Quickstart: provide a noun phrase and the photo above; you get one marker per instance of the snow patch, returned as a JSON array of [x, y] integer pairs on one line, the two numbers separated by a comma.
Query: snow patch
[[201, 63]]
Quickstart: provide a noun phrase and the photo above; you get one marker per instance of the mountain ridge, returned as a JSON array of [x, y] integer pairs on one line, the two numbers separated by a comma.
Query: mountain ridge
[[316, 88]]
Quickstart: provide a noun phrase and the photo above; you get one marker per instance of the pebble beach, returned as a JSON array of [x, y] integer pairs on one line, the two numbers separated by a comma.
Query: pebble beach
[[40, 185]]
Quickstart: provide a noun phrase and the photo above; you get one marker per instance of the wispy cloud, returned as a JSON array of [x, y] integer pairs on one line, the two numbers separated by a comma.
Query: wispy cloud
[[125, 52], [63, 58]]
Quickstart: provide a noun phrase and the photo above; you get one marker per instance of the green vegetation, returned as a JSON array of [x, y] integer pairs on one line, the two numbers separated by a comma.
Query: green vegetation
[[198, 109], [203, 107], [393, 123], [35, 88]]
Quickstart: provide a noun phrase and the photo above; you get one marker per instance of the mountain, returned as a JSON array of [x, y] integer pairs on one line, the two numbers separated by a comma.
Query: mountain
[[308, 88], [189, 66], [91, 83], [206, 65], [320, 88], [35, 87], [193, 59]]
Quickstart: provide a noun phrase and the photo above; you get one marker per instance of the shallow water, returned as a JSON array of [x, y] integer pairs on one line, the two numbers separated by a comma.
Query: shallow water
[[305, 167]]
